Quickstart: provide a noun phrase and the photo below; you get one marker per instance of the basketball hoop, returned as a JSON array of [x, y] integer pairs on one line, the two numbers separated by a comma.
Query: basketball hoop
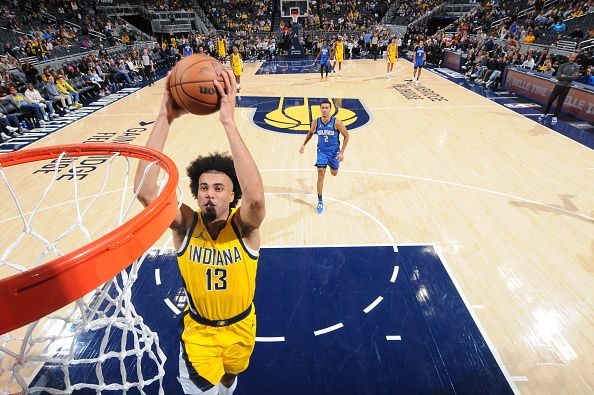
[[33, 293], [294, 15], [94, 263]]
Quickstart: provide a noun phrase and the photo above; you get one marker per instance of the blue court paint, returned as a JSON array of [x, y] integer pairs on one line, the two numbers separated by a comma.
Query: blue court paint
[[302, 66], [302, 290]]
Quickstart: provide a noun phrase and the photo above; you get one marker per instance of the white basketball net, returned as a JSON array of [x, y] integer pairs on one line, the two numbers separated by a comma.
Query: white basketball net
[[107, 312]]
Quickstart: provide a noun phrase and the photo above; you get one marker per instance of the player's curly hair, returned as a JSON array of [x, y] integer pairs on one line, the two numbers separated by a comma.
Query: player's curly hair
[[214, 163]]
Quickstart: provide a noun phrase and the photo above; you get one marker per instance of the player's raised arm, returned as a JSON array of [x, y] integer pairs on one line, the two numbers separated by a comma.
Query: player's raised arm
[[345, 138], [252, 205], [312, 129], [147, 188]]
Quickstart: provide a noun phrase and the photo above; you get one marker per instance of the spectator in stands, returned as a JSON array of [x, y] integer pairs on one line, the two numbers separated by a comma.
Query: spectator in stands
[[93, 79], [566, 74], [102, 51], [19, 101], [17, 74], [66, 89], [529, 62], [31, 72], [52, 91], [584, 58], [544, 55], [559, 26], [86, 44], [479, 66], [529, 38], [34, 97], [590, 76], [119, 71], [133, 67], [9, 126], [493, 78], [547, 68], [577, 33], [483, 77], [69, 70]]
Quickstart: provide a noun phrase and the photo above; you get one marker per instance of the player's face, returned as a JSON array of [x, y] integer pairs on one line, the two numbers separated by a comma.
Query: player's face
[[325, 109], [215, 193]]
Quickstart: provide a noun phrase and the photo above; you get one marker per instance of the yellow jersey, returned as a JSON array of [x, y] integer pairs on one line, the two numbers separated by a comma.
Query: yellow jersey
[[392, 52], [236, 63], [219, 274], [339, 54], [221, 47]]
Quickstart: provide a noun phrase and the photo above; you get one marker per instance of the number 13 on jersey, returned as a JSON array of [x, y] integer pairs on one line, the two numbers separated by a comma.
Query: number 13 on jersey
[[216, 279]]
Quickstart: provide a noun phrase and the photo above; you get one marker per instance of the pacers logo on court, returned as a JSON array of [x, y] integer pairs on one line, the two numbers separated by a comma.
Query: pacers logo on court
[[294, 114]]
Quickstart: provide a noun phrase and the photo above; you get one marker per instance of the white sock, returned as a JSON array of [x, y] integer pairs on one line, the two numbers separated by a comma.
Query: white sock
[[227, 391]]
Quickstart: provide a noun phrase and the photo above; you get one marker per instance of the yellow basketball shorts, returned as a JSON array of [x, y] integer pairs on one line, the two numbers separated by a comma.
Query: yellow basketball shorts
[[207, 352], [237, 71], [339, 57], [391, 59]]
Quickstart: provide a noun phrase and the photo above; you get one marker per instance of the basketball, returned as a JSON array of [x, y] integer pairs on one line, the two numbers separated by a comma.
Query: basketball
[[191, 84]]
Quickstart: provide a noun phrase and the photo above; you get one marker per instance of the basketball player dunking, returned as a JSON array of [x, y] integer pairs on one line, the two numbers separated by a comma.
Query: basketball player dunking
[[392, 56], [330, 152], [237, 66], [217, 251], [324, 56], [338, 54], [419, 58]]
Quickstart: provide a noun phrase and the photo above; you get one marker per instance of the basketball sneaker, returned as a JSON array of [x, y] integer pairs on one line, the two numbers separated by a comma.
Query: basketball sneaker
[[320, 207]]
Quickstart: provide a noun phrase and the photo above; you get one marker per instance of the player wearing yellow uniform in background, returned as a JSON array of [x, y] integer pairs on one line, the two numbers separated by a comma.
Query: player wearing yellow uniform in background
[[221, 49], [392, 56], [338, 54], [237, 66], [217, 251]]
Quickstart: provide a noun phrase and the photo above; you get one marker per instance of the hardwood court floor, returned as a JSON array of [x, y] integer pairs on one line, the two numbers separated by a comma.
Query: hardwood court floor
[[506, 202]]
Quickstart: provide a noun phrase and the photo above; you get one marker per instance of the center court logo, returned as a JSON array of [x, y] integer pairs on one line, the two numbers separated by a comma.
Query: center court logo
[[294, 114]]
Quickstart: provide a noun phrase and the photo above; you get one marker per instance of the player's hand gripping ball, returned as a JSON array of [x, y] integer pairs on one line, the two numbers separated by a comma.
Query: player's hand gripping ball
[[191, 84]]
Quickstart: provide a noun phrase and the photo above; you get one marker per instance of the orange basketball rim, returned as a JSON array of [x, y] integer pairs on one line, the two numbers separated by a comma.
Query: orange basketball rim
[[28, 296]]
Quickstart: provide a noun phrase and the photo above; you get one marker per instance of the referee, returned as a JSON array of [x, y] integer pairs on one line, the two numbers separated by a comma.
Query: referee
[[566, 74], [148, 67]]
